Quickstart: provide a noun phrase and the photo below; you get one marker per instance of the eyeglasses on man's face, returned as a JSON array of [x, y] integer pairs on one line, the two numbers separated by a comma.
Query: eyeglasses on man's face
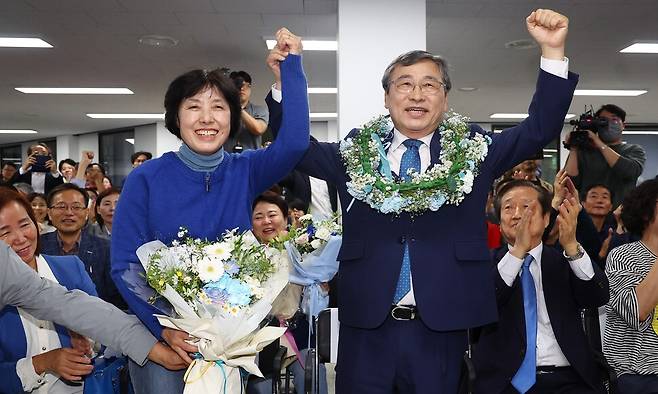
[[428, 86], [75, 207]]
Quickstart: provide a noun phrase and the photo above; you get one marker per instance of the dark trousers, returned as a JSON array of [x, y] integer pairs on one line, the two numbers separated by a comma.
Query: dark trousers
[[637, 384], [399, 357], [560, 381]]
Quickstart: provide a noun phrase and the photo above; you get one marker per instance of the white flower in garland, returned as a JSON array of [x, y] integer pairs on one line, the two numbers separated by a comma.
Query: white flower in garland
[[449, 181]]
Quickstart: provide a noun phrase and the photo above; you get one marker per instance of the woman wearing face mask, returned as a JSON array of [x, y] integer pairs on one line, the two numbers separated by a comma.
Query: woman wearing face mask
[[37, 354], [201, 187]]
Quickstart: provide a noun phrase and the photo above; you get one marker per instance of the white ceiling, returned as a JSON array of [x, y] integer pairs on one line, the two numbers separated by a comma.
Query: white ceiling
[[96, 45]]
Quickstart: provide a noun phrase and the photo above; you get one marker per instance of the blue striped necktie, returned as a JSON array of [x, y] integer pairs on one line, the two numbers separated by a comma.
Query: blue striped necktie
[[410, 160], [527, 374]]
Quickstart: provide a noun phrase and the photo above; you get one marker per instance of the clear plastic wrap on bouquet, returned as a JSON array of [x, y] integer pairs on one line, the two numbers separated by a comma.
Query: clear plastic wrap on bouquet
[[228, 340]]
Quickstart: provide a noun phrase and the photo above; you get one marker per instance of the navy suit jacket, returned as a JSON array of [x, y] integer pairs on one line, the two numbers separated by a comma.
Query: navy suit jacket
[[70, 273], [95, 254], [501, 347], [450, 262]]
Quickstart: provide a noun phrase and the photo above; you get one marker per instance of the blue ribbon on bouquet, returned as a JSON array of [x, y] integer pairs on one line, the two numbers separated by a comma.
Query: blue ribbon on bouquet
[[218, 363]]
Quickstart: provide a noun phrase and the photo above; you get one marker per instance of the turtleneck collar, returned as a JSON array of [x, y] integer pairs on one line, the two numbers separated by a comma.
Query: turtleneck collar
[[199, 162]]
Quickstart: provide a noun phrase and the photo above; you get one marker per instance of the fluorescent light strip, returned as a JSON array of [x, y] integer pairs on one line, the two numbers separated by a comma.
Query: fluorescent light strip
[[640, 132], [126, 116], [518, 116], [311, 45], [316, 115], [130, 141], [608, 92], [17, 42], [550, 150], [322, 90], [641, 48], [18, 131], [545, 156], [75, 90]]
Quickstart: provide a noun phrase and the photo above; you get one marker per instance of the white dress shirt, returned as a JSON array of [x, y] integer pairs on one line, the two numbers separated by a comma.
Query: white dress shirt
[[549, 352], [559, 68], [41, 338]]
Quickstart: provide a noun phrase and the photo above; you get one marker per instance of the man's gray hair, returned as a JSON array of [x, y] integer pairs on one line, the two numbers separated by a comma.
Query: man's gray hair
[[413, 57]]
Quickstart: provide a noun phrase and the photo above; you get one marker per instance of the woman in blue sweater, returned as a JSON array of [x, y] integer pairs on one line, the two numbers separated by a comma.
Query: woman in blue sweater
[[201, 187], [38, 355]]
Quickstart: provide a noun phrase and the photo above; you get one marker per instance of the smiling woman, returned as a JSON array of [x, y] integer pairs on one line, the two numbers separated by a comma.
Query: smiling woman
[[34, 354], [202, 187]]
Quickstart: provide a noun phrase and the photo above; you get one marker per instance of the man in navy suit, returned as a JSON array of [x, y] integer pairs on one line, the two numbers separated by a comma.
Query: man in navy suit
[[413, 342], [538, 344]]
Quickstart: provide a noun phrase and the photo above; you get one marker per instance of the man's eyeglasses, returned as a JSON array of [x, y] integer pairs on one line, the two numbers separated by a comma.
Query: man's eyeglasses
[[429, 87], [76, 208]]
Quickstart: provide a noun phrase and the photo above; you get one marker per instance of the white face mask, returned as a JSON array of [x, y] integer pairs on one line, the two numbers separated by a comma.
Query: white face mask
[[611, 133]]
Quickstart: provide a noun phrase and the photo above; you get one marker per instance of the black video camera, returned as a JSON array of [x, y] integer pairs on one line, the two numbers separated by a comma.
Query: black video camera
[[579, 137]]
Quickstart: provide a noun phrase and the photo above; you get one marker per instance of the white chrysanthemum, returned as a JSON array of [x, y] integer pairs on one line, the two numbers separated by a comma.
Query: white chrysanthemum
[[468, 182], [210, 270], [219, 250], [323, 233], [316, 243]]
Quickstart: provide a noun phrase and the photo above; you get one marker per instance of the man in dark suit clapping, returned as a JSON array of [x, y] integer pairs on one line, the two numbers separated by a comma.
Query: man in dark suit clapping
[[538, 344]]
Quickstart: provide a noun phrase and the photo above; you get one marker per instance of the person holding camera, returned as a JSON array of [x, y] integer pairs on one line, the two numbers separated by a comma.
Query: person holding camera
[[39, 170], [603, 159], [253, 118]]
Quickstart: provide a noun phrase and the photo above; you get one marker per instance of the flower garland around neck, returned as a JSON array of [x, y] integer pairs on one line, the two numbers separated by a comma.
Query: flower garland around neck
[[447, 182]]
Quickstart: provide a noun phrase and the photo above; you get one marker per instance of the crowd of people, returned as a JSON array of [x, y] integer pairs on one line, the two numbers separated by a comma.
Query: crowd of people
[[557, 295]]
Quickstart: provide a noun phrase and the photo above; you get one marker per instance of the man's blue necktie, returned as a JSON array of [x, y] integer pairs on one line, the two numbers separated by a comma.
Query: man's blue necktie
[[527, 374], [410, 160]]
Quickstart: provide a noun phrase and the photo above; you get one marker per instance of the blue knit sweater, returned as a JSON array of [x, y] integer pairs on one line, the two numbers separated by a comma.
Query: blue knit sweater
[[163, 194]]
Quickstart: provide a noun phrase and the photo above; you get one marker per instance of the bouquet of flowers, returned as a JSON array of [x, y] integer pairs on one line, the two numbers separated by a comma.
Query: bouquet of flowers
[[220, 291], [313, 249]]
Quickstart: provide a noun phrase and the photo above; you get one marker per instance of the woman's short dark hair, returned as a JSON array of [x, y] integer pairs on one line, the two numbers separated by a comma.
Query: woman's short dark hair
[[193, 82], [639, 208], [7, 196], [110, 191], [64, 187], [413, 57], [544, 196], [272, 198], [70, 162]]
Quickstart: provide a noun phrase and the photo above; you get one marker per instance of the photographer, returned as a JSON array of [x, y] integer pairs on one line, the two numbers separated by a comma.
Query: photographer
[[254, 118], [39, 170], [602, 158]]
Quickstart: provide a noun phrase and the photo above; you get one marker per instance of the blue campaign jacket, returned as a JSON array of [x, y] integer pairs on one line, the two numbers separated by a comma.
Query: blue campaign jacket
[[448, 248], [70, 272]]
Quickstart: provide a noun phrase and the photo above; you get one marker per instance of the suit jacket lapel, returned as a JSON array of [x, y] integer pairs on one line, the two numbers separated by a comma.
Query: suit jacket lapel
[[435, 148], [550, 277]]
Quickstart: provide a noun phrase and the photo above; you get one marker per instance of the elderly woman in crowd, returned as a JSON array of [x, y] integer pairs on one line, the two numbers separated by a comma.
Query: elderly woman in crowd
[[106, 203], [201, 187], [631, 332], [40, 208], [36, 354]]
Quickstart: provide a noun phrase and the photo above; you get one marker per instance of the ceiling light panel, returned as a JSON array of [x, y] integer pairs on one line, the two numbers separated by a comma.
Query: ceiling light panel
[[126, 116], [641, 48], [75, 90], [17, 42], [609, 92], [311, 45]]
